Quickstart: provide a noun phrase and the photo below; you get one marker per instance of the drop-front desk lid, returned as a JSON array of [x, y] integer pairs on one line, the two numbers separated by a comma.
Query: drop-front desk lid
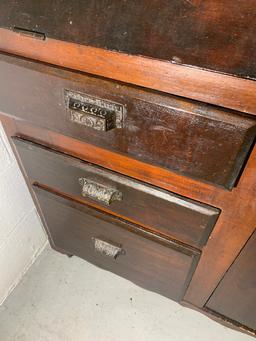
[[216, 35]]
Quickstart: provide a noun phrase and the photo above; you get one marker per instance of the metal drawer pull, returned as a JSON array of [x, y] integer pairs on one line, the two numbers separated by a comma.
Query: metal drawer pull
[[94, 112], [107, 249], [98, 192]]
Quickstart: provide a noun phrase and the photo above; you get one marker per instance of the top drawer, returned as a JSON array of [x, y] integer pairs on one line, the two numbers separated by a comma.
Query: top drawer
[[197, 140]]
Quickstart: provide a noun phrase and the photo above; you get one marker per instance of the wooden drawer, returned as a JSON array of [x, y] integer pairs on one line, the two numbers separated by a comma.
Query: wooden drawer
[[183, 219], [194, 139], [117, 246]]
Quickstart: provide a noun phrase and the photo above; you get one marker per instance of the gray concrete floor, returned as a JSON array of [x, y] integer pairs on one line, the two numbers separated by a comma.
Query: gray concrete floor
[[62, 299]]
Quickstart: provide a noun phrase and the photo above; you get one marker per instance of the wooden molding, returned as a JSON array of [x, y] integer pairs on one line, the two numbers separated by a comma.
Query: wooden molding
[[206, 86]]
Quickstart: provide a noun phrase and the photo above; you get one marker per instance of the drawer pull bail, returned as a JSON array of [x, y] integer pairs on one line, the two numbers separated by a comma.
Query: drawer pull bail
[[99, 192], [107, 249]]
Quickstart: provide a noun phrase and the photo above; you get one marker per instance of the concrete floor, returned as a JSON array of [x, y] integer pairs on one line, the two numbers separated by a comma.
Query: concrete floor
[[62, 299]]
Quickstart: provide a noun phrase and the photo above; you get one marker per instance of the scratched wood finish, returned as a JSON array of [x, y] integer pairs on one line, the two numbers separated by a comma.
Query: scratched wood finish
[[150, 261], [233, 228], [195, 139], [236, 224], [186, 220], [217, 35], [190, 82], [235, 296]]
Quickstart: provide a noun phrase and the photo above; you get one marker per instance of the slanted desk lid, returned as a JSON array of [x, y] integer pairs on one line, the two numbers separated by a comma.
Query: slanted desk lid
[[218, 35]]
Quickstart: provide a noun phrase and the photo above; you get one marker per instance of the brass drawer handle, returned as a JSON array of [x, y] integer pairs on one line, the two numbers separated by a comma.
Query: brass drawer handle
[[98, 192], [94, 112], [108, 249]]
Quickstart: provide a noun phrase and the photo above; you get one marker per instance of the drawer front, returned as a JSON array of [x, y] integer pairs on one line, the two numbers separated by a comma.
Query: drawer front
[[194, 139], [117, 246], [189, 221]]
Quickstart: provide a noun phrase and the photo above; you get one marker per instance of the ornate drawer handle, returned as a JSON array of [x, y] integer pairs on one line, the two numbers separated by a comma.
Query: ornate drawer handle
[[94, 112], [108, 249], [98, 192]]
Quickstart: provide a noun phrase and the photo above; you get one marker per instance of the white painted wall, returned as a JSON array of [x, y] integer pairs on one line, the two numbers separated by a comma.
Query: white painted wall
[[21, 234]]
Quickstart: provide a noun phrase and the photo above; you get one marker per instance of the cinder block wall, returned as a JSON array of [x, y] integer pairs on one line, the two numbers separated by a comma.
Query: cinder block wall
[[21, 234]]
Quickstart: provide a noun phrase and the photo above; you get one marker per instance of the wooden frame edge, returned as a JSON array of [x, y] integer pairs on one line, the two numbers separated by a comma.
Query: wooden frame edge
[[194, 83]]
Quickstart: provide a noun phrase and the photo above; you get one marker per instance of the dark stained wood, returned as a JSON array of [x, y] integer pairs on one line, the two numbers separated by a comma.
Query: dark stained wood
[[161, 57], [151, 262], [237, 220], [217, 35], [165, 212], [159, 177], [235, 296], [194, 83], [234, 227], [194, 139], [227, 238]]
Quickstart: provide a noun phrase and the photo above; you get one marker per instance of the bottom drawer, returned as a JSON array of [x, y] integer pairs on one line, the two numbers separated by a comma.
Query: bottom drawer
[[150, 261]]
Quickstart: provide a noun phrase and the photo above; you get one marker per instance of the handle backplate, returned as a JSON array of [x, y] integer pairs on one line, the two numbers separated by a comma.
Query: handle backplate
[[94, 112], [99, 192], [108, 249]]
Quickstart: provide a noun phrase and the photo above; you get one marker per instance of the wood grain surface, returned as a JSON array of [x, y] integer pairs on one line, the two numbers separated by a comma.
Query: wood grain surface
[[191, 138], [233, 228], [235, 296], [215, 35], [147, 260], [199, 84], [163, 212]]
